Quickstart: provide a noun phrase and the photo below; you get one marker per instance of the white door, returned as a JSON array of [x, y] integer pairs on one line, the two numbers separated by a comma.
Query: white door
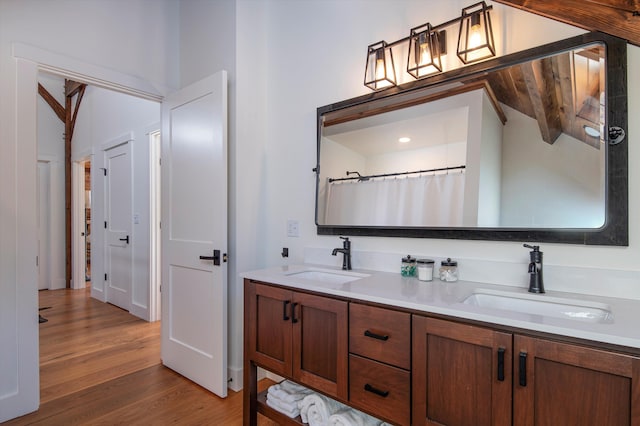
[[194, 231], [44, 212], [118, 218]]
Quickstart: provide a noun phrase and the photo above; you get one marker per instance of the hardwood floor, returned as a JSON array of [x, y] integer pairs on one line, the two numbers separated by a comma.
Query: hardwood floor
[[99, 365]]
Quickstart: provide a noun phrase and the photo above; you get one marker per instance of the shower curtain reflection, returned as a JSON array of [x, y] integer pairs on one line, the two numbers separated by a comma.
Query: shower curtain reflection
[[427, 200]]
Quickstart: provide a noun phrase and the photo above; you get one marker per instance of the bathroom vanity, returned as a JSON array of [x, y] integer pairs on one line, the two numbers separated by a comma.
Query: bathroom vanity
[[410, 352]]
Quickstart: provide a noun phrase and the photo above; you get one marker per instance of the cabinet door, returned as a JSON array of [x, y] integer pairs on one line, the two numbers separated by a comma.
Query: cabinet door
[[269, 327], [557, 383], [320, 343], [461, 374]]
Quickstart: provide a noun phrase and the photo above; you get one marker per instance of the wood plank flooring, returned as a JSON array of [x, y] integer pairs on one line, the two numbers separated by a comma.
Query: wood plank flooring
[[99, 365]]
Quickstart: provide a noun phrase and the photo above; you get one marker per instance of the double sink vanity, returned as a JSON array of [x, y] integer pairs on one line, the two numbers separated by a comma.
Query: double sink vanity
[[543, 158], [413, 352]]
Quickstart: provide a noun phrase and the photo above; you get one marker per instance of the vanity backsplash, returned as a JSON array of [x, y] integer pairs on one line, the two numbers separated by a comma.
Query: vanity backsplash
[[582, 280]]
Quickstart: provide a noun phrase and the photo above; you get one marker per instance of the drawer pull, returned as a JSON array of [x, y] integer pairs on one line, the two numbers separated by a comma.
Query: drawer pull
[[376, 336], [379, 392], [501, 364], [523, 369], [285, 304]]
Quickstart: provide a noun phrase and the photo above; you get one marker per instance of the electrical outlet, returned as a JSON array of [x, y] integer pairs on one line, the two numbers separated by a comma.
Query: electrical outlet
[[293, 228]]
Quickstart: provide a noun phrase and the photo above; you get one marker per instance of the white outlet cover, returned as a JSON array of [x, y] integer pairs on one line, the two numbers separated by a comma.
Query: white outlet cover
[[293, 228]]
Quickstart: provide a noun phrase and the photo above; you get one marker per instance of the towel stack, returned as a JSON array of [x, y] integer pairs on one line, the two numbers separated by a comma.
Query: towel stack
[[285, 396], [293, 400], [318, 410]]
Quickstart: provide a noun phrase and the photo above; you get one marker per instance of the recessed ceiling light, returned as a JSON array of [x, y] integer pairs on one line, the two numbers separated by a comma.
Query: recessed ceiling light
[[591, 131], [404, 140]]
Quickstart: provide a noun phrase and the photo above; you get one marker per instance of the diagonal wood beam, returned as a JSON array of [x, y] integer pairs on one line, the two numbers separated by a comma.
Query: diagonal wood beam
[[53, 103]]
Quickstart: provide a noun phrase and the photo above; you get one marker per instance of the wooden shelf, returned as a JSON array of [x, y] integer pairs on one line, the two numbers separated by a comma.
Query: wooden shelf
[[275, 415]]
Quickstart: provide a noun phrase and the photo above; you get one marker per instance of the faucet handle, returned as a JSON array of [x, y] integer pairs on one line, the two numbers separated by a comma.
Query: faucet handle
[[534, 248], [344, 238]]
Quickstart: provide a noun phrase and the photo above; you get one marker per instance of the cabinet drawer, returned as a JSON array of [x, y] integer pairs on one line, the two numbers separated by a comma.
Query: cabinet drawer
[[380, 334], [380, 388]]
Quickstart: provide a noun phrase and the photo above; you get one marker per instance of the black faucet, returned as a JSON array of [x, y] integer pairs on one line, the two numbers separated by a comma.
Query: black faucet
[[536, 285], [346, 251]]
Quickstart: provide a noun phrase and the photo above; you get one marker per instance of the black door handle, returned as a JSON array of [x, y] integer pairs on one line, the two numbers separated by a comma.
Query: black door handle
[[285, 317], [215, 257], [125, 239]]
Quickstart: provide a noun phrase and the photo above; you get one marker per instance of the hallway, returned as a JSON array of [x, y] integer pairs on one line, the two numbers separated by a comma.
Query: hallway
[[101, 365]]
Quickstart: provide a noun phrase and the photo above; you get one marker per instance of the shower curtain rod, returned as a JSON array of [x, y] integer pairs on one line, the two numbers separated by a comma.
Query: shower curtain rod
[[364, 178]]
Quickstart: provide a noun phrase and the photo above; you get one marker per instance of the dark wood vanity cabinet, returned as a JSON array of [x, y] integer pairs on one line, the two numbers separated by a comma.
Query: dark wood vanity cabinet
[[414, 369], [462, 374], [298, 335], [560, 383]]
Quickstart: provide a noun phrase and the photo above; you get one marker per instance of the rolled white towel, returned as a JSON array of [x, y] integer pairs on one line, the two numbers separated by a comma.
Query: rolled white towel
[[288, 391], [352, 417], [289, 406], [290, 413], [316, 409]]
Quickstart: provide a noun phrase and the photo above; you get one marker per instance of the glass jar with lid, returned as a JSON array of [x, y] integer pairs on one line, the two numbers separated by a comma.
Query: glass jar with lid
[[425, 269], [448, 270], [408, 266]]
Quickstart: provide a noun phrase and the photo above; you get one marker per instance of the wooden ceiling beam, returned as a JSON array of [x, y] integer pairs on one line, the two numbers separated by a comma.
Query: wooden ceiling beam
[[543, 96], [620, 18]]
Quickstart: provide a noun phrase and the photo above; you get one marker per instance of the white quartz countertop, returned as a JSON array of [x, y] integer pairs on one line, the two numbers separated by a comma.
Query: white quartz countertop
[[622, 327]]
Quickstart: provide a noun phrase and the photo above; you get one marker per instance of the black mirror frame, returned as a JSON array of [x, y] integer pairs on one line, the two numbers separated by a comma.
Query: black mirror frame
[[615, 231]]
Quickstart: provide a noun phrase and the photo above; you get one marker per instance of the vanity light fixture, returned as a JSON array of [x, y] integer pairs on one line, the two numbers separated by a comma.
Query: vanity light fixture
[[427, 46], [380, 71], [475, 39]]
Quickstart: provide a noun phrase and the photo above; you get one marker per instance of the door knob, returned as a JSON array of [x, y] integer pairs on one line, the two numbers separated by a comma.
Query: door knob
[[125, 239]]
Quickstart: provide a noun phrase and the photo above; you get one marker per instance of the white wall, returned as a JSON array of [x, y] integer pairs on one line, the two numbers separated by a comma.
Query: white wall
[[137, 38], [106, 116], [317, 51], [572, 177]]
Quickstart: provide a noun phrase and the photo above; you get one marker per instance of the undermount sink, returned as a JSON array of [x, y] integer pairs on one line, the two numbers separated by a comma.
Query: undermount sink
[[542, 305], [328, 276]]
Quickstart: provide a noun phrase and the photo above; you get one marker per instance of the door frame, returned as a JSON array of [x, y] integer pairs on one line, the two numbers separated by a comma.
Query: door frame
[[155, 209], [78, 250], [29, 61]]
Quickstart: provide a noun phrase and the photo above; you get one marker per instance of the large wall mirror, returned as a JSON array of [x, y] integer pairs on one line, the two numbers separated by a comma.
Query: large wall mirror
[[530, 146]]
